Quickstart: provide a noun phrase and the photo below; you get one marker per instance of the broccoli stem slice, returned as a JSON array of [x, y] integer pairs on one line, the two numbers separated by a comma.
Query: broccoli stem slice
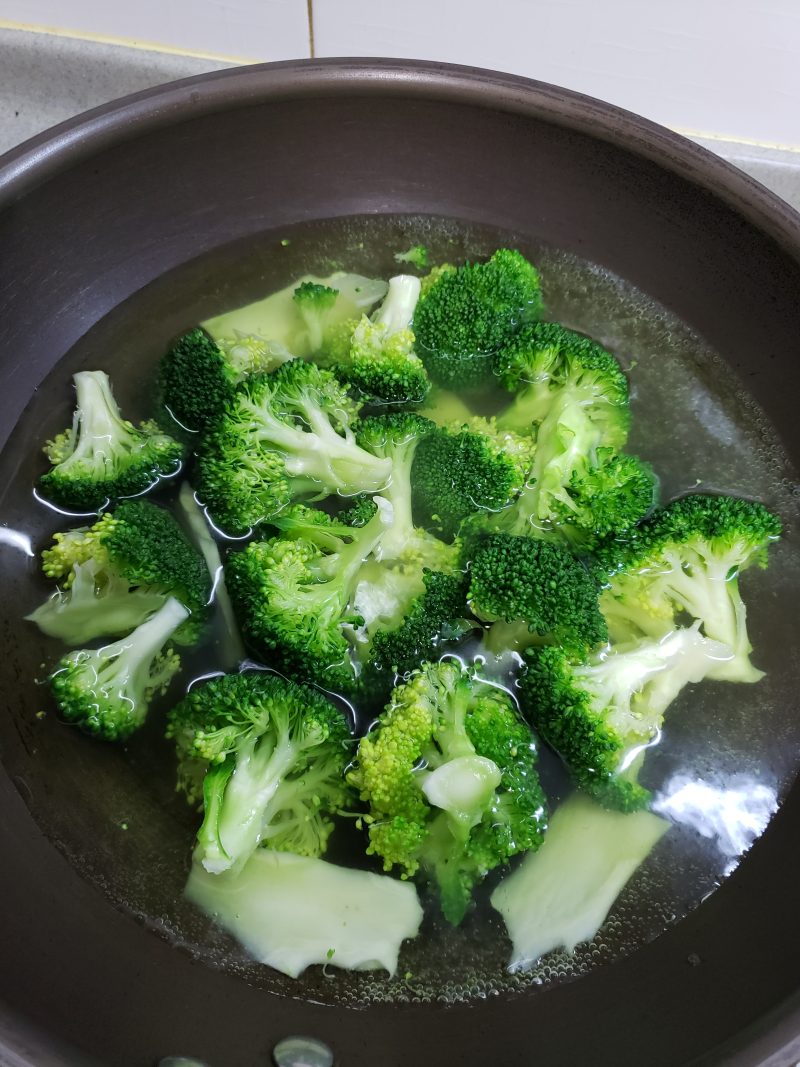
[[397, 309], [233, 650]]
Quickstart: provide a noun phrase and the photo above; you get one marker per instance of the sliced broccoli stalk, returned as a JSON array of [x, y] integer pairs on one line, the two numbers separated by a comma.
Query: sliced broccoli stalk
[[293, 594], [107, 691], [115, 574], [273, 755], [286, 436], [103, 457], [232, 645], [467, 469], [534, 592], [278, 320], [449, 774], [687, 559], [602, 712], [416, 255], [466, 315]]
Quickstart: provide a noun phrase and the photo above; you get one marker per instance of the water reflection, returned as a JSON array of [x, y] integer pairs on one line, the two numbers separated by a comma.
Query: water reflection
[[733, 815]]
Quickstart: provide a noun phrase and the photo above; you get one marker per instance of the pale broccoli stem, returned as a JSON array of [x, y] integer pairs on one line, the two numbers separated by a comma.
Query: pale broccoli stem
[[233, 651], [397, 309], [99, 433]]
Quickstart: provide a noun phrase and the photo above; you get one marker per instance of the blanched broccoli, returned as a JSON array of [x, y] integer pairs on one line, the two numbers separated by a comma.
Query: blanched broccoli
[[534, 592], [315, 303], [546, 366], [284, 437], [115, 574], [466, 315], [600, 713], [103, 457], [293, 594], [107, 691], [412, 595], [375, 356], [278, 320], [449, 774], [573, 398], [417, 256], [475, 467], [198, 375], [687, 558], [270, 755], [396, 438]]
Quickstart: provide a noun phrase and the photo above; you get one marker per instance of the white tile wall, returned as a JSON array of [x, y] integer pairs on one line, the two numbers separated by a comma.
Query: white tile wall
[[730, 67], [240, 29], [724, 67]]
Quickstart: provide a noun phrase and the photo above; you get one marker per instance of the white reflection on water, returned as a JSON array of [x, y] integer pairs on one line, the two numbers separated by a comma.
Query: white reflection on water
[[733, 815], [16, 540]]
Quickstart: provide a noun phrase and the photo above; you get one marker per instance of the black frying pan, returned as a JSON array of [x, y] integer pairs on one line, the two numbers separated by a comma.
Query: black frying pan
[[97, 211]]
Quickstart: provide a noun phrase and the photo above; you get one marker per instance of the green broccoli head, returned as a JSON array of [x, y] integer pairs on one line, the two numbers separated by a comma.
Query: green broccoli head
[[416, 255], [198, 376], [540, 589], [474, 467], [466, 315], [375, 356], [396, 438], [103, 457], [293, 594], [315, 303], [107, 691], [449, 774], [115, 574], [686, 558], [600, 713], [270, 755], [286, 436]]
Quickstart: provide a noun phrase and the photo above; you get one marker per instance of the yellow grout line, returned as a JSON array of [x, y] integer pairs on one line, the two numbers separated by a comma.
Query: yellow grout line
[[144, 46], [731, 139], [311, 49]]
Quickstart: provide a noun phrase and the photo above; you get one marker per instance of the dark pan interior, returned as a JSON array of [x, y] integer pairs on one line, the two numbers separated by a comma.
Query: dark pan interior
[[90, 217]]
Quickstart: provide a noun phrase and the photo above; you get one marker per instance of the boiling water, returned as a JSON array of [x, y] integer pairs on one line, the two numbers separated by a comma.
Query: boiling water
[[728, 755]]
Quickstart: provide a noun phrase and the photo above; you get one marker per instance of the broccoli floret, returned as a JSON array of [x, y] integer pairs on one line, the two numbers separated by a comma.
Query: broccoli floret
[[468, 468], [396, 438], [450, 777], [104, 457], [107, 691], [271, 757], [293, 594], [198, 375], [573, 398], [534, 592], [417, 256], [686, 558], [115, 574], [359, 511], [465, 316], [434, 616], [546, 366], [602, 712], [315, 302], [375, 356], [285, 436]]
